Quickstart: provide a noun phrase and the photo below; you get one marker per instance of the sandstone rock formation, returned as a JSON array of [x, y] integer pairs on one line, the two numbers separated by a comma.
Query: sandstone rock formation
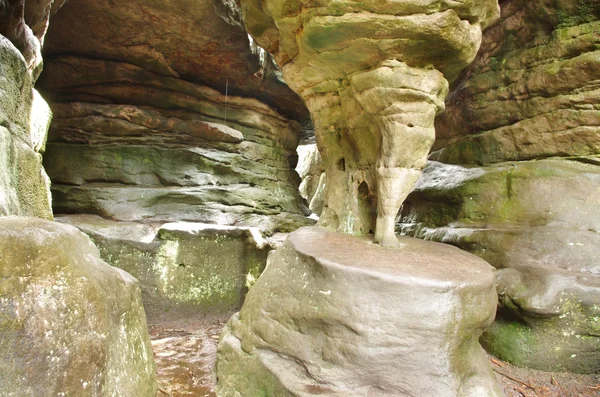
[[185, 269], [137, 163], [531, 94], [24, 115], [71, 325], [199, 42], [25, 24], [336, 315], [538, 222], [373, 75], [533, 90], [311, 171], [139, 136]]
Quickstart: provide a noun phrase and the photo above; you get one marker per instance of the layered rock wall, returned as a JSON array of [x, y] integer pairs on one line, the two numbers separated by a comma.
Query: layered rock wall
[[139, 136], [521, 132], [533, 90]]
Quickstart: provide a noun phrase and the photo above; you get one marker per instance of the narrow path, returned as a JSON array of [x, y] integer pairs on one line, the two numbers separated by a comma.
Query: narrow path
[[185, 355]]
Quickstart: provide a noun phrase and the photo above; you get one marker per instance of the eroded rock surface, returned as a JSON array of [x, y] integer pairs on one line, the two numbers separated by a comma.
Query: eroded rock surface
[[531, 93], [311, 171], [337, 315], [537, 222], [139, 135], [373, 75], [135, 163], [200, 42], [70, 324], [533, 89], [186, 270], [24, 115]]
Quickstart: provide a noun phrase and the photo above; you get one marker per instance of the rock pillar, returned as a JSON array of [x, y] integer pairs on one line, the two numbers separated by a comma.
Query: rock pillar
[[373, 74], [403, 102]]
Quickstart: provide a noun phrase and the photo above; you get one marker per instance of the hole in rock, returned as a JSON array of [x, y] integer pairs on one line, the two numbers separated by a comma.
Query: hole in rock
[[341, 165], [363, 189]]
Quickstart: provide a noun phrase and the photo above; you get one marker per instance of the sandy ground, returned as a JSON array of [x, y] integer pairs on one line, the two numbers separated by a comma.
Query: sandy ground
[[185, 354]]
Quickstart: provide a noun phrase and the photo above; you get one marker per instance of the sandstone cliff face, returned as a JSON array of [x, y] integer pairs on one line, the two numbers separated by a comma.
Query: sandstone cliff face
[[533, 90], [24, 115], [373, 75], [522, 126], [202, 42], [138, 134]]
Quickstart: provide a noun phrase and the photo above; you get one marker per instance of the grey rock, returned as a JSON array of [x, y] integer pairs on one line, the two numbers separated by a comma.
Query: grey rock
[[337, 315], [538, 223], [24, 119], [137, 162]]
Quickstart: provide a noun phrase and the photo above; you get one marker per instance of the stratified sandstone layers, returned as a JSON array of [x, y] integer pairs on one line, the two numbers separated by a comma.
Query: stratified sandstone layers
[[373, 75], [138, 134], [71, 325], [522, 133], [533, 90], [202, 42], [146, 163], [336, 315]]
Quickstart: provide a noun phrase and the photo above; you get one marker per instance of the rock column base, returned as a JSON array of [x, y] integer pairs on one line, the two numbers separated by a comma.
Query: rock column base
[[336, 315]]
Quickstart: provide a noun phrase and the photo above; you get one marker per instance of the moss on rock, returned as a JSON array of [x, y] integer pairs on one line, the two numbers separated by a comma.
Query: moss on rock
[[70, 324]]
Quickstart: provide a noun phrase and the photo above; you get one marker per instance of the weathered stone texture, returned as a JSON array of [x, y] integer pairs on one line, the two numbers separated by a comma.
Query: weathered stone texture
[[143, 163], [373, 75], [139, 135], [311, 171], [202, 42], [337, 315], [186, 270], [538, 223], [24, 120], [70, 324], [532, 91], [24, 115]]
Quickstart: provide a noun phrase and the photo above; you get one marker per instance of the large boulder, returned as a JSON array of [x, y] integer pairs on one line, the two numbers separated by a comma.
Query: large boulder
[[337, 315], [538, 223], [531, 94], [71, 325]]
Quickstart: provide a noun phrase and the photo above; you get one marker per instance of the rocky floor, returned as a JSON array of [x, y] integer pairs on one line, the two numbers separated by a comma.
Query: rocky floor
[[185, 354]]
